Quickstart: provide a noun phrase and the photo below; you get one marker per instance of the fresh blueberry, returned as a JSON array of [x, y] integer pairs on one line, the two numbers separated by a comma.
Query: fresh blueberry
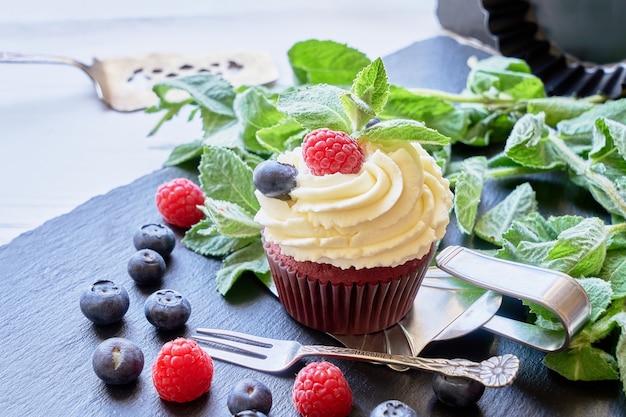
[[249, 395], [157, 237], [146, 267], [372, 122], [393, 408], [117, 361], [274, 179], [457, 391], [167, 309], [104, 302], [250, 413]]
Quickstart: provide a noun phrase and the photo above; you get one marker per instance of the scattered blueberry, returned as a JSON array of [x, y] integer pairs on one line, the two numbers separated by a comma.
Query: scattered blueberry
[[274, 179], [117, 361], [393, 408], [157, 237], [146, 267], [457, 391], [104, 302], [249, 395], [167, 309], [250, 413]]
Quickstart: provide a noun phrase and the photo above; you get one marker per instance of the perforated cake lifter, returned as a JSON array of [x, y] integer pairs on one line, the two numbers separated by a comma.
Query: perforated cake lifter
[[125, 83]]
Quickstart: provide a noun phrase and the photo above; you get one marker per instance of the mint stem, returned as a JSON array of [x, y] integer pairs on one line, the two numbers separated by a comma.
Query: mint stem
[[460, 98], [580, 167]]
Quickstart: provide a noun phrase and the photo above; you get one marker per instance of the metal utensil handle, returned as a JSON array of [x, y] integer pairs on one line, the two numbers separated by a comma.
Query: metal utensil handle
[[495, 372], [556, 291], [17, 58]]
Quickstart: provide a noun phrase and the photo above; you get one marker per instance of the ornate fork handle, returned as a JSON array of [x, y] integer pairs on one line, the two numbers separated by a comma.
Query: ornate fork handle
[[497, 371]]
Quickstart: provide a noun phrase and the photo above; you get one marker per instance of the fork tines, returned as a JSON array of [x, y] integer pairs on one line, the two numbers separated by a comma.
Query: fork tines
[[240, 343]]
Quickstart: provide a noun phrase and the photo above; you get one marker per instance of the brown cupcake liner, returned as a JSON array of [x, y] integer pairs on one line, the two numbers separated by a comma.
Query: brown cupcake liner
[[347, 308]]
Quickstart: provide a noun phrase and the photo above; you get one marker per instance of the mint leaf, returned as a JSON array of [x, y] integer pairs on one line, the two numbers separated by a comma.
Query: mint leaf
[[284, 135], [371, 86], [184, 153], [583, 364], [435, 112], [409, 130], [316, 107], [248, 259], [620, 349], [358, 111], [255, 112], [529, 146], [204, 238], [314, 61], [230, 219], [614, 271], [583, 125], [225, 176], [213, 95], [558, 108], [600, 295], [501, 75], [467, 192], [579, 250], [499, 218]]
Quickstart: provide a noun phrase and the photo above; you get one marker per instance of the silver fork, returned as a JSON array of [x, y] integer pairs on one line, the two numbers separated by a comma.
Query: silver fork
[[274, 355]]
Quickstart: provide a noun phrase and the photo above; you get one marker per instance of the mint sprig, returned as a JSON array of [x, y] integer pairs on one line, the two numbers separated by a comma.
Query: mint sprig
[[503, 105]]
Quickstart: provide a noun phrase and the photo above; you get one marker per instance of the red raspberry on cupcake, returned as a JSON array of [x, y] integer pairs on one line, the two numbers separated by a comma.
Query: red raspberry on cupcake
[[327, 151]]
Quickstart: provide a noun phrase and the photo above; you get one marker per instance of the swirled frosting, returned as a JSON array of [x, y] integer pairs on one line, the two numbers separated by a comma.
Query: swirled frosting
[[386, 214]]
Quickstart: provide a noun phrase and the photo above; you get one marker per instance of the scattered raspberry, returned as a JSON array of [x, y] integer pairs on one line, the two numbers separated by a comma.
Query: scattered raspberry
[[182, 371], [328, 152], [177, 201], [321, 390]]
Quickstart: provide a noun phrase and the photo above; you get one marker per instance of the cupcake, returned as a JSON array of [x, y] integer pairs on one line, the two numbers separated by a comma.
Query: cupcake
[[350, 228]]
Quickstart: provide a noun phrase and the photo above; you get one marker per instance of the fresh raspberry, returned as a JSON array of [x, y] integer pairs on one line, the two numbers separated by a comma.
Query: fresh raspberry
[[182, 371], [321, 390], [177, 201], [328, 152]]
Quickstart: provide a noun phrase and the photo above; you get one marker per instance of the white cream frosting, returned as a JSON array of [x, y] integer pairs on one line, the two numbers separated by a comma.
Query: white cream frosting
[[390, 212]]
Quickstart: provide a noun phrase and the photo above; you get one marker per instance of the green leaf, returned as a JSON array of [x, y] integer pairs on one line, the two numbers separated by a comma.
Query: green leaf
[[498, 75], [467, 192], [432, 111], [600, 294], [323, 61], [255, 112], [497, 220], [614, 271], [205, 239], [284, 135], [558, 108], [358, 111], [583, 364], [579, 250], [529, 146], [620, 349], [185, 153], [316, 107], [248, 259], [213, 94], [225, 176], [231, 220], [406, 130], [583, 125], [371, 86]]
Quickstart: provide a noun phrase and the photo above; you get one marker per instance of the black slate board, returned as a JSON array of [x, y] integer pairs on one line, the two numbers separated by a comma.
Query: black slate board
[[45, 366]]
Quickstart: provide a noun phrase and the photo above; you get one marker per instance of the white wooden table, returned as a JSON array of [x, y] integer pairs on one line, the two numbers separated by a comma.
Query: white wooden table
[[60, 146]]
